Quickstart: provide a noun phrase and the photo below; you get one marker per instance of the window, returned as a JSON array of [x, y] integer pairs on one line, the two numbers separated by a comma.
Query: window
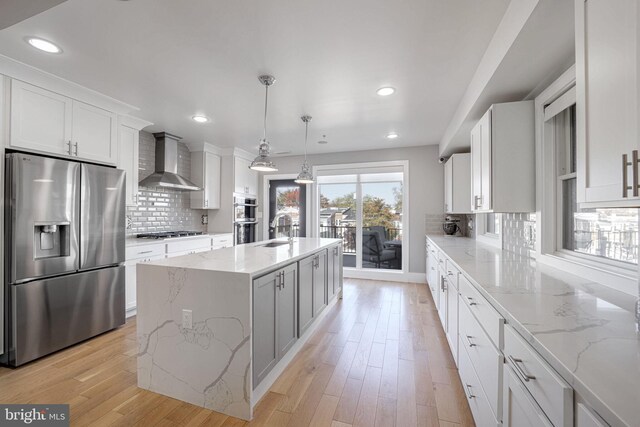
[[492, 224], [610, 234], [489, 229]]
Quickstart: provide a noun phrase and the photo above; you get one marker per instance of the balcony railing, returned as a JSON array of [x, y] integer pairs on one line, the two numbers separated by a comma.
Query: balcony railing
[[346, 233]]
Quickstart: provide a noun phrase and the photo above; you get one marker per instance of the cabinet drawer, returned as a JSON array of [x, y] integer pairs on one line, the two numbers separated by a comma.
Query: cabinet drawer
[[487, 316], [550, 391], [145, 251], [222, 240], [188, 252], [441, 258], [480, 408], [188, 244], [452, 273], [485, 358]]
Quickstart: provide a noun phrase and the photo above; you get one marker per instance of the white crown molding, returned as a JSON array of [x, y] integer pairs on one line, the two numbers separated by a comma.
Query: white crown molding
[[29, 74], [134, 122], [204, 146], [237, 152]]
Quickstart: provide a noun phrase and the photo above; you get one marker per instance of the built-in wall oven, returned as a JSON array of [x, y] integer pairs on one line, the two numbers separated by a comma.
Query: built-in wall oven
[[245, 219]]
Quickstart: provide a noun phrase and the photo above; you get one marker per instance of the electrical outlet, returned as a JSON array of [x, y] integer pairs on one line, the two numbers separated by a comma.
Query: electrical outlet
[[187, 319]]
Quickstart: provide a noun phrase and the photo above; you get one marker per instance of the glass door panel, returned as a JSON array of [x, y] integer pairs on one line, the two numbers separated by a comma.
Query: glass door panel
[[381, 229], [337, 215], [287, 209]]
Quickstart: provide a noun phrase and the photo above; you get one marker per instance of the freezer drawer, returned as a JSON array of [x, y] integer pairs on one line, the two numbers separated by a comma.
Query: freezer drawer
[[102, 217], [51, 314]]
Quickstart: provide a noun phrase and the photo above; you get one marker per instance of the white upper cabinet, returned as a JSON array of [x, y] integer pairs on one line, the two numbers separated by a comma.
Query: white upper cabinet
[[40, 119], [607, 93], [94, 133], [457, 183], [205, 173], [503, 159], [128, 153], [246, 180], [128, 141], [45, 121]]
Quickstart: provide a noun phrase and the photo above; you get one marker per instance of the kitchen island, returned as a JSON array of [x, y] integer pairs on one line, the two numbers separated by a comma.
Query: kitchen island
[[216, 328]]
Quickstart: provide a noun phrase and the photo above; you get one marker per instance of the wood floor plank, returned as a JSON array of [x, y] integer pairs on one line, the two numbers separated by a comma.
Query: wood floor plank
[[341, 372], [368, 402], [386, 412], [348, 403], [389, 382], [323, 416], [406, 404]]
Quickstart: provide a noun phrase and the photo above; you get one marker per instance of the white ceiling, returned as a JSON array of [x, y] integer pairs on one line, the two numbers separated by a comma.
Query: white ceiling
[[174, 59]]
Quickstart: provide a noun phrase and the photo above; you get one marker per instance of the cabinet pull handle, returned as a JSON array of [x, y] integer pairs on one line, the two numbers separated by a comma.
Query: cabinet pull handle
[[471, 302], [469, 341], [145, 252], [521, 373], [634, 160], [469, 394], [625, 184], [76, 149], [69, 145], [278, 280], [449, 273]]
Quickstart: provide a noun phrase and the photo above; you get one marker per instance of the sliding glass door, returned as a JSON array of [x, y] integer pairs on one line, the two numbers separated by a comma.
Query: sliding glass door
[[365, 210]]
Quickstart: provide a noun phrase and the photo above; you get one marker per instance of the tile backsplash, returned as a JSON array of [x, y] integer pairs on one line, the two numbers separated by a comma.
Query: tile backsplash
[[518, 232], [160, 209]]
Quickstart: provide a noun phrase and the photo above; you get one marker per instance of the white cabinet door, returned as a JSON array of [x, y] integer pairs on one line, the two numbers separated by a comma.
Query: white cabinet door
[[40, 120], [128, 140], [205, 172], [484, 202], [94, 133], [131, 279], [607, 94], [452, 319], [476, 166], [443, 304], [448, 186], [246, 180], [519, 408]]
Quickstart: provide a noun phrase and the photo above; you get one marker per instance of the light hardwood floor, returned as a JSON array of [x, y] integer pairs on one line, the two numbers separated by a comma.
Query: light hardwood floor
[[379, 358]]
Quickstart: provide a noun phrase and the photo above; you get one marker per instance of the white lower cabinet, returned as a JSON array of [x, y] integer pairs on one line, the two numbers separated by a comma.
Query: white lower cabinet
[[553, 395], [478, 402], [507, 383], [519, 408]]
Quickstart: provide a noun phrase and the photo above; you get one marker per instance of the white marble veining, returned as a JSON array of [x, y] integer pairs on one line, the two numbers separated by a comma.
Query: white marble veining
[[585, 330], [253, 258]]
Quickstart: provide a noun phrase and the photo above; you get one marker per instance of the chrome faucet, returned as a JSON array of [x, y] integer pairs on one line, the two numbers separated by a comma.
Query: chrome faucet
[[274, 224]]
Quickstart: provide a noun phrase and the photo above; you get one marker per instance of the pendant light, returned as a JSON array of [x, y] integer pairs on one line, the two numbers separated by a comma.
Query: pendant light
[[305, 176], [263, 162]]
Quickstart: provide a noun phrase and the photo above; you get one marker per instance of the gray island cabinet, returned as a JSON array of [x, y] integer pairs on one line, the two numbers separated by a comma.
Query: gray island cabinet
[[217, 328]]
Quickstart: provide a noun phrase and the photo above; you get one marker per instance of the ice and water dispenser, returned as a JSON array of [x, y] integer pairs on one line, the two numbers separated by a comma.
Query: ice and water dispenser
[[51, 239]]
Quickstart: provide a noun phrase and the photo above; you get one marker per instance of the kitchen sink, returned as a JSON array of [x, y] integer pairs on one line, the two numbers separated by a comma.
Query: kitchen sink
[[274, 244]]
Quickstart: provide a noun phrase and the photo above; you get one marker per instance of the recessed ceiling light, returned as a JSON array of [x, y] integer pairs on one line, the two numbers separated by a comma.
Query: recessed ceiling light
[[392, 135], [385, 91], [200, 119], [43, 45]]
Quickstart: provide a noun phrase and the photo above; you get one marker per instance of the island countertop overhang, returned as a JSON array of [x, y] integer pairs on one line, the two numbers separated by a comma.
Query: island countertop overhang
[[253, 259]]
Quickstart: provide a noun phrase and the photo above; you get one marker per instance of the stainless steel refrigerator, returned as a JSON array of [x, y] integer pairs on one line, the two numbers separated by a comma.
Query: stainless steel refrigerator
[[64, 249]]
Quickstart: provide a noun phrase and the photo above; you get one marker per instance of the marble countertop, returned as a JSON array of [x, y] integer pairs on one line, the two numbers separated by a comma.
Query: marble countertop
[[585, 330], [134, 241], [252, 258]]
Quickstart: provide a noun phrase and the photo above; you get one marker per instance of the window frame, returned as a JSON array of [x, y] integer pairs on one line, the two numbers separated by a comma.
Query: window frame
[[549, 248], [482, 235]]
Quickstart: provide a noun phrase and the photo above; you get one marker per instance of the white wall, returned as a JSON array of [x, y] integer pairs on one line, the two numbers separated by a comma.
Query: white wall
[[426, 186]]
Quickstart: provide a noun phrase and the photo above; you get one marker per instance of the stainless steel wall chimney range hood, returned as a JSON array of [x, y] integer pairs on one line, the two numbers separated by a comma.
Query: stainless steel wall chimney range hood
[[166, 174]]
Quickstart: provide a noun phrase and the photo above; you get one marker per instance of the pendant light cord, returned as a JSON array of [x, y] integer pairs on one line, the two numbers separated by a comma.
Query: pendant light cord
[[306, 132], [266, 98]]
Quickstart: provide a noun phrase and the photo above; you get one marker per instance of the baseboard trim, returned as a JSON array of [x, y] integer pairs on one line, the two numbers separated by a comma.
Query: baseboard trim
[[389, 276]]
